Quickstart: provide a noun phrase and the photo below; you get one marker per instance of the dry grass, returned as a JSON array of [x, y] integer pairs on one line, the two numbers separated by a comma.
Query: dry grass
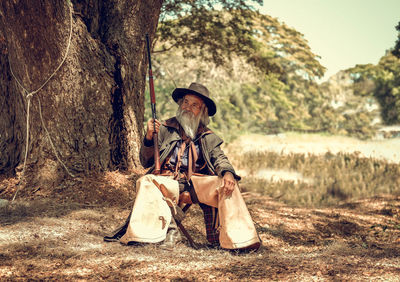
[[330, 179], [108, 188], [345, 243], [318, 144], [307, 172], [56, 234]]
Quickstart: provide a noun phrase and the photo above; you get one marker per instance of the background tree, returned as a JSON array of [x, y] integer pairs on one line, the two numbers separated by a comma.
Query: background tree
[[381, 81], [351, 113], [212, 30], [268, 86], [396, 50], [93, 106]]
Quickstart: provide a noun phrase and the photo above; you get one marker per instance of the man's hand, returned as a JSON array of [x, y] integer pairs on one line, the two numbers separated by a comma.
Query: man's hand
[[150, 128], [229, 183]]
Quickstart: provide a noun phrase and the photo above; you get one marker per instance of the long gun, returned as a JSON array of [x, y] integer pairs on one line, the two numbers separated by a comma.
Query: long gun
[[177, 212], [153, 111]]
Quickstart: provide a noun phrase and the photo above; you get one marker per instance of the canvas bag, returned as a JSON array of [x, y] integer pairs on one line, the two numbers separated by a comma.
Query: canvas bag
[[151, 214], [237, 229]]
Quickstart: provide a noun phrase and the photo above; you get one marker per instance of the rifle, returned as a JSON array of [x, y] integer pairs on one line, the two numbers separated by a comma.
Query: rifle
[[157, 166], [177, 212]]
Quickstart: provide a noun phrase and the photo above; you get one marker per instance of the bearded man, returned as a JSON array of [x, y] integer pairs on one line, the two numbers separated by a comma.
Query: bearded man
[[192, 163]]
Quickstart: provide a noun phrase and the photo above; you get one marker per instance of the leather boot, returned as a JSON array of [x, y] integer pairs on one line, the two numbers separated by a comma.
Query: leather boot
[[118, 233], [173, 237]]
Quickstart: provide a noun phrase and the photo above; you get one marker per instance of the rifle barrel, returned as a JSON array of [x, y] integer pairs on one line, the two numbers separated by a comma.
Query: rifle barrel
[[153, 110]]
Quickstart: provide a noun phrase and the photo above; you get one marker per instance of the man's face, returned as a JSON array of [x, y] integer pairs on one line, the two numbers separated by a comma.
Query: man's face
[[192, 103]]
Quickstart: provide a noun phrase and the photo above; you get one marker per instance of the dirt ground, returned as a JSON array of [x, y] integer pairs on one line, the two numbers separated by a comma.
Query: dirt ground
[[48, 234], [53, 239]]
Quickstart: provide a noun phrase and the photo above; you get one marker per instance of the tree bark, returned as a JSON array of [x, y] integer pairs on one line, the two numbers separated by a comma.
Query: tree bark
[[93, 107]]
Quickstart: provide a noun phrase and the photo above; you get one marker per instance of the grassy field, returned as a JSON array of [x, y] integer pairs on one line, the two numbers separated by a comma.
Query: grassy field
[[317, 170], [290, 142]]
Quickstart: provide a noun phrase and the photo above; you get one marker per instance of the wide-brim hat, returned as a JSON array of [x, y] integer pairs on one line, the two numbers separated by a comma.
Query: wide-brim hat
[[198, 90]]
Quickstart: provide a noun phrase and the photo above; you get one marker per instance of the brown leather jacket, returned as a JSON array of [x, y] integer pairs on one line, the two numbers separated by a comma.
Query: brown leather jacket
[[168, 136]]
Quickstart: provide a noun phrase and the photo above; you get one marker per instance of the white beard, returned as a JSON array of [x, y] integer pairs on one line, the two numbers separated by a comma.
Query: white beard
[[188, 121]]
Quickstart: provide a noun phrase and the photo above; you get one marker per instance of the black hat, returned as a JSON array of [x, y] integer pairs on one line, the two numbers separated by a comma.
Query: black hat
[[198, 90]]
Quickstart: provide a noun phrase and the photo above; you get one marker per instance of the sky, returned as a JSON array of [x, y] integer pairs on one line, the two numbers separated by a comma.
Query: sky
[[342, 32]]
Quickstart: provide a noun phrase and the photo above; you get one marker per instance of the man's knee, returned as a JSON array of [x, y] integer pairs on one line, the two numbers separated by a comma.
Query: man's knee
[[169, 183]]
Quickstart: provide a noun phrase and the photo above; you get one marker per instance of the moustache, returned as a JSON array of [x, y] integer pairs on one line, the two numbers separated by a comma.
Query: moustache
[[186, 112]]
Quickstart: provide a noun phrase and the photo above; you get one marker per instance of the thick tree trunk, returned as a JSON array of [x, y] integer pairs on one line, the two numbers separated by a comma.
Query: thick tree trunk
[[11, 103], [93, 106]]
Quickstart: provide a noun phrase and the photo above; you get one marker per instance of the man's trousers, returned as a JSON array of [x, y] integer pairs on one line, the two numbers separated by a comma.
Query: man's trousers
[[151, 214]]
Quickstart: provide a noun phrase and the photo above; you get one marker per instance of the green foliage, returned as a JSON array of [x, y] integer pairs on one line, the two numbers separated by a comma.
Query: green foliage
[[218, 36], [396, 50], [197, 25], [264, 83], [261, 73], [285, 50], [381, 81], [350, 113]]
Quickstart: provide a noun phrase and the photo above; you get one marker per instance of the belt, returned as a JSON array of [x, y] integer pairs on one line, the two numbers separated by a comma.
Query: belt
[[166, 172]]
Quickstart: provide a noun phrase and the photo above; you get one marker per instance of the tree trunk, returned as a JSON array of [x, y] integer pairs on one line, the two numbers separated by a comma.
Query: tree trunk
[[93, 106]]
